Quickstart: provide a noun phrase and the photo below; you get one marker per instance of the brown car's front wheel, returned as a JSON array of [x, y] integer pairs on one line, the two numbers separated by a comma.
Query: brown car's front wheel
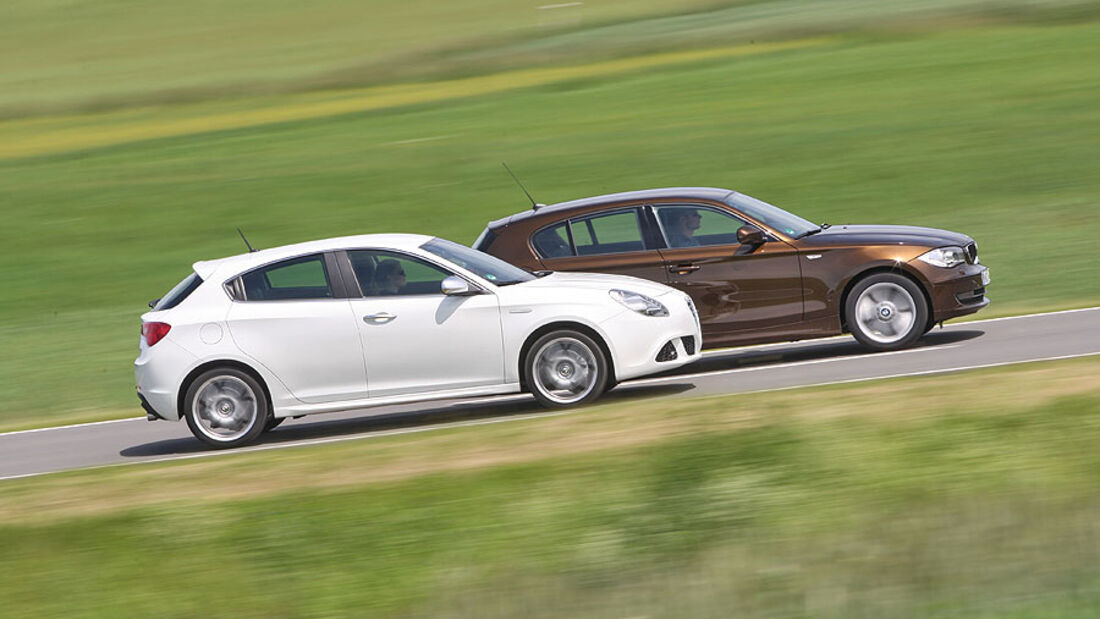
[[886, 311]]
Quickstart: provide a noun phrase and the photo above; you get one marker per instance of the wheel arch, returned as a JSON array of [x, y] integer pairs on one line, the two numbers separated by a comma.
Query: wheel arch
[[561, 325], [893, 270], [220, 363]]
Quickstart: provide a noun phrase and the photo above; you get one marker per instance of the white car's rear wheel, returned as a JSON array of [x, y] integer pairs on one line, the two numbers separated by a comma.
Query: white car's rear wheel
[[564, 368], [226, 407]]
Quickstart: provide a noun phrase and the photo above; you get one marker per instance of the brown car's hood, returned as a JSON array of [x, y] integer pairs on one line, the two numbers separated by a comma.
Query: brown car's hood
[[886, 235]]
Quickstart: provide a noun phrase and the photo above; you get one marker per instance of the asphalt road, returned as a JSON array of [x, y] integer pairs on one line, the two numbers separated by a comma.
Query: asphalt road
[[978, 344]]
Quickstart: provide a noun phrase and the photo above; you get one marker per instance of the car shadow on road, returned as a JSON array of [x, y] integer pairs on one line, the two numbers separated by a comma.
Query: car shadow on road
[[809, 351], [366, 422]]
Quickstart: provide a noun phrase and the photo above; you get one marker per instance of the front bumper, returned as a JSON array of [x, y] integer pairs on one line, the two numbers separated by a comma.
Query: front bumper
[[638, 341], [957, 291]]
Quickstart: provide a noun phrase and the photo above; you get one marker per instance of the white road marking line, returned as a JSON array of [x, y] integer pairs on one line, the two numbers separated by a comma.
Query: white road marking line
[[823, 340], [319, 441], [962, 368], [705, 354], [75, 425], [1041, 314], [757, 368], [482, 422]]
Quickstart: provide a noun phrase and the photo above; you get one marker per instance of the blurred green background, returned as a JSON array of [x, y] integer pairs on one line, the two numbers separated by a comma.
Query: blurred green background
[[136, 136]]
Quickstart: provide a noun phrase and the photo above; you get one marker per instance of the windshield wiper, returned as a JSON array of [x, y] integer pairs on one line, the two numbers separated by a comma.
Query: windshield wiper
[[815, 231]]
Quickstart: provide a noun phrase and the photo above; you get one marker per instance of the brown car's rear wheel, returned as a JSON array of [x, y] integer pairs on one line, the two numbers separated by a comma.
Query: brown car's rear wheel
[[886, 311]]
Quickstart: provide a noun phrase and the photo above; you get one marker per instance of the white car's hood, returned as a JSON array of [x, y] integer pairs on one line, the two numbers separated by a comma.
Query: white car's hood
[[599, 281]]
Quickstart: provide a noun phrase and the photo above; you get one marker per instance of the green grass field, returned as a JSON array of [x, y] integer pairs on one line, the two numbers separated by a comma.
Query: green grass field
[[970, 495], [976, 117]]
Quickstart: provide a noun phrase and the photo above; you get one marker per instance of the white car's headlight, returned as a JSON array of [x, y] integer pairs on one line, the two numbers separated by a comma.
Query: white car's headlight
[[946, 257], [639, 303]]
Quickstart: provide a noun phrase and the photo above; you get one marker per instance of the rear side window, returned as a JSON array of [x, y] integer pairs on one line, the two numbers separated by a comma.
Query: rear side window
[[300, 278], [613, 233], [485, 241], [176, 295], [552, 242]]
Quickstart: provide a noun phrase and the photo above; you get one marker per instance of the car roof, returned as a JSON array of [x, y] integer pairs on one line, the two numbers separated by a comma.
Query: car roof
[[663, 193], [239, 263]]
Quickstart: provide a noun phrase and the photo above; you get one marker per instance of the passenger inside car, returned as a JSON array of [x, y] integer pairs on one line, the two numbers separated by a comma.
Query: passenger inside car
[[389, 277]]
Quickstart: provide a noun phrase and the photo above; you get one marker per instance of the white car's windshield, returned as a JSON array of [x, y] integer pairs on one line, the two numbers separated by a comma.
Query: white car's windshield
[[492, 269]]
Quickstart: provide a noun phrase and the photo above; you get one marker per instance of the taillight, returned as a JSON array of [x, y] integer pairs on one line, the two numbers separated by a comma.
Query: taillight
[[153, 332]]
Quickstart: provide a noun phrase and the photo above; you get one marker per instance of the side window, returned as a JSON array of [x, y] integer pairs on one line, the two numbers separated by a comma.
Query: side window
[[383, 273], [176, 295], [613, 233], [552, 242], [696, 226], [300, 278]]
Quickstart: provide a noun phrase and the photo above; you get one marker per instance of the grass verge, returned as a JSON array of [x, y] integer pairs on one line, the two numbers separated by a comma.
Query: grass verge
[[966, 495]]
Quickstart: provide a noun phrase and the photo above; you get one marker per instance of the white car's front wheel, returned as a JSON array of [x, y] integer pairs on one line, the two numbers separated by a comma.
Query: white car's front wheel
[[564, 368], [226, 407]]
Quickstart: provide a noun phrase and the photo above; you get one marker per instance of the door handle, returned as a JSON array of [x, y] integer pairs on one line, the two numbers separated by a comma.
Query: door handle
[[683, 269], [379, 318]]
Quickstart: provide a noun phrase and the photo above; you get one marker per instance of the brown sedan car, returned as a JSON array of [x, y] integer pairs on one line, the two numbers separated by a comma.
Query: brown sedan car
[[756, 272]]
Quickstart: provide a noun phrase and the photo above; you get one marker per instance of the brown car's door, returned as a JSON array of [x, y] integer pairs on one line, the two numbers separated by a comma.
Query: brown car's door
[[610, 241], [734, 289]]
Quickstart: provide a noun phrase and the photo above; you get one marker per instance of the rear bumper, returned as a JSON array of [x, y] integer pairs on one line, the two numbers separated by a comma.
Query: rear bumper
[[158, 372]]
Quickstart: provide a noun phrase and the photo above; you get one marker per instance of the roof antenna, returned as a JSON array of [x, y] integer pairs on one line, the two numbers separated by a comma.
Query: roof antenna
[[534, 205], [251, 249]]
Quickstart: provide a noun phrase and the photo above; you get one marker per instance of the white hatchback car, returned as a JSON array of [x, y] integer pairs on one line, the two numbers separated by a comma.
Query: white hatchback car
[[247, 341]]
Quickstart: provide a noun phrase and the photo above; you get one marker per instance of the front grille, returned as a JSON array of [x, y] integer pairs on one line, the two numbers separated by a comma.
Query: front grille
[[971, 296], [689, 344], [668, 352], [972, 253]]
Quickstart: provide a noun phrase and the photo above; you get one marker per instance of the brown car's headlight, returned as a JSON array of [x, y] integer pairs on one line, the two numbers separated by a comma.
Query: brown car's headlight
[[639, 303], [945, 257]]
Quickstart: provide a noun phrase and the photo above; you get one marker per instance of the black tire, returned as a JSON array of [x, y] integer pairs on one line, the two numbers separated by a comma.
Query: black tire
[[232, 401], [570, 361], [273, 422], [886, 311]]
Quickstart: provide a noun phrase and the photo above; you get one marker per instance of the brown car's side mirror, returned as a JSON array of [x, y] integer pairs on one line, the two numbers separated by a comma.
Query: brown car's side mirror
[[751, 235]]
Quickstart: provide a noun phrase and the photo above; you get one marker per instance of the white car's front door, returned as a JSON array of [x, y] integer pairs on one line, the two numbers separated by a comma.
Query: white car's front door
[[291, 324], [416, 339]]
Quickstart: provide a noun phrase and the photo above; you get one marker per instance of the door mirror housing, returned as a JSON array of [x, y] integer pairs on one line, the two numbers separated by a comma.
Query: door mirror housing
[[455, 286], [751, 235]]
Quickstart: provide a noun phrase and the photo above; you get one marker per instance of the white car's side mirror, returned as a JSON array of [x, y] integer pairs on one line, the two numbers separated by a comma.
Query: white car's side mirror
[[455, 286]]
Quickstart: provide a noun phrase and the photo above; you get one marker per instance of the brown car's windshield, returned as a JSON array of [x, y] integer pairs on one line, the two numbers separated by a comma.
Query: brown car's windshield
[[772, 216]]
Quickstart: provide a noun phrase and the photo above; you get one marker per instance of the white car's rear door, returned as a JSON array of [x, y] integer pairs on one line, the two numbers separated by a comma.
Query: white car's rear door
[[292, 325]]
